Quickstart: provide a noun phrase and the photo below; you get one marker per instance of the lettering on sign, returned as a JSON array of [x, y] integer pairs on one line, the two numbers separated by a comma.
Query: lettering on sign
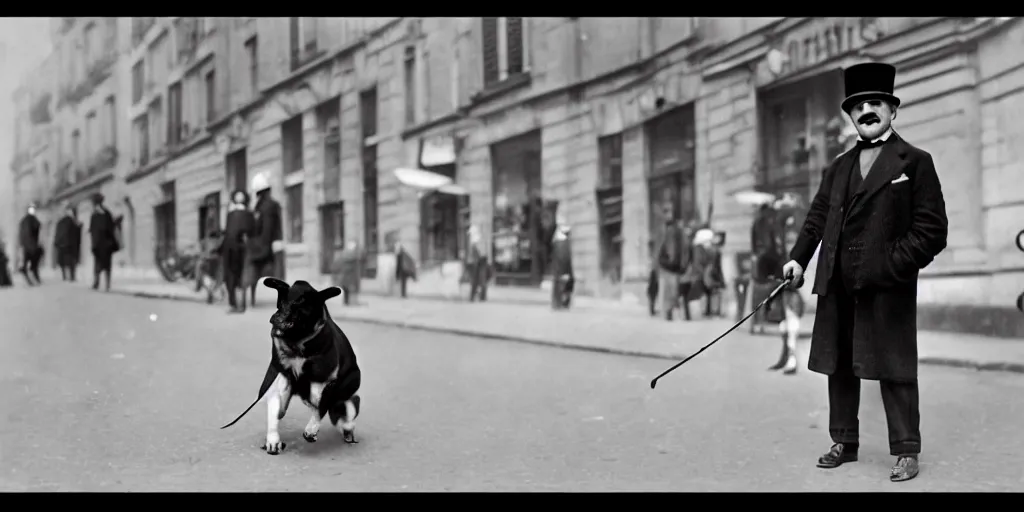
[[825, 38]]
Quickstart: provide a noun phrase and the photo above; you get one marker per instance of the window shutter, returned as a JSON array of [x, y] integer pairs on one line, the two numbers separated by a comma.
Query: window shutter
[[490, 53], [514, 38]]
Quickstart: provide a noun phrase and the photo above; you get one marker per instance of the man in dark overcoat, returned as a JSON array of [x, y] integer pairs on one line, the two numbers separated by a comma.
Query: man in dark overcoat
[[67, 242], [103, 232], [266, 250], [31, 250], [880, 217], [563, 279]]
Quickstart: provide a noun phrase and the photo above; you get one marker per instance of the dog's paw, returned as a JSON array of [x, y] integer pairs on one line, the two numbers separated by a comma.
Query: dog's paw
[[274, 445], [310, 437], [349, 436]]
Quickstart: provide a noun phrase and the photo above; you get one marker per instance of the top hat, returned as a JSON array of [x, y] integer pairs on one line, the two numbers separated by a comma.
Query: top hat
[[871, 80]]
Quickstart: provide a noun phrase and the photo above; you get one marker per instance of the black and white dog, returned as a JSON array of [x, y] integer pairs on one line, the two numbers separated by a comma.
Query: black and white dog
[[310, 357]]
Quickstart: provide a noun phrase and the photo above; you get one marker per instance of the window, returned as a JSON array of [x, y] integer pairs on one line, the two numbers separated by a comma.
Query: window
[[236, 170], [293, 196], [291, 141], [505, 44], [110, 132], [76, 148], [368, 112], [610, 160], [174, 108], [110, 36], [410, 86], [371, 230], [156, 128], [141, 140], [88, 46], [329, 125], [211, 96], [302, 40], [91, 135], [252, 52], [138, 81]]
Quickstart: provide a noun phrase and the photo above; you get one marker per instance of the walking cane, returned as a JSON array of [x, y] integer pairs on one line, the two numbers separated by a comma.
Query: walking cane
[[768, 299]]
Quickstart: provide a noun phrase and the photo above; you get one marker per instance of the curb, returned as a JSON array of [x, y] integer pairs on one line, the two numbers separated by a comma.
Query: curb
[[999, 366]]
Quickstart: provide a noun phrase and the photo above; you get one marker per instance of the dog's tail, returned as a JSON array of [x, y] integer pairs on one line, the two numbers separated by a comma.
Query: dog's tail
[[246, 411]]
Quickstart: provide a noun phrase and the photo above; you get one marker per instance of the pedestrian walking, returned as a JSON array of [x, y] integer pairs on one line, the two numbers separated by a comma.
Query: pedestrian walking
[[477, 269], [788, 307], [673, 261], [67, 243], [103, 230], [880, 217], [652, 278], [405, 267], [563, 280], [347, 272], [5, 273], [267, 248], [31, 250], [239, 232]]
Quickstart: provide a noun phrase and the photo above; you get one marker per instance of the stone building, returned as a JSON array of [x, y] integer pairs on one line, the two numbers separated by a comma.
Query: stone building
[[601, 121]]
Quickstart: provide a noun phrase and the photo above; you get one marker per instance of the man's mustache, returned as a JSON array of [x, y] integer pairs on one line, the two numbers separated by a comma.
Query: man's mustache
[[868, 117]]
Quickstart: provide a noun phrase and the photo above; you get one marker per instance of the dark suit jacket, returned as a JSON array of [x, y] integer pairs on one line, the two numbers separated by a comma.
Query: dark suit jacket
[[28, 234], [67, 240], [674, 254], [895, 226], [268, 229], [102, 230]]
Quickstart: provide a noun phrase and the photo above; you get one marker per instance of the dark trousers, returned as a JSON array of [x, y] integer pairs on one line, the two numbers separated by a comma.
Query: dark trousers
[[31, 266], [402, 283], [67, 272], [234, 263], [561, 296], [478, 280], [900, 399], [271, 267], [101, 262]]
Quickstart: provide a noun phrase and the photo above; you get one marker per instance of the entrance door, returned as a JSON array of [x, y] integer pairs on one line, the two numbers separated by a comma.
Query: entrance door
[[332, 236], [209, 215], [166, 231]]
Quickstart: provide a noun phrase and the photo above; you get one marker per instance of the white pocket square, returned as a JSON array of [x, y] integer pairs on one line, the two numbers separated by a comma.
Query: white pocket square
[[901, 179]]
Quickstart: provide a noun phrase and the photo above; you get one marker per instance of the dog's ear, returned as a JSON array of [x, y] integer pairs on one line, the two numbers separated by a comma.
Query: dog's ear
[[328, 293], [277, 284]]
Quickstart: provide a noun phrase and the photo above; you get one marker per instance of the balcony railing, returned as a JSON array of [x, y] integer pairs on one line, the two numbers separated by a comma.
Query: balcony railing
[[96, 74]]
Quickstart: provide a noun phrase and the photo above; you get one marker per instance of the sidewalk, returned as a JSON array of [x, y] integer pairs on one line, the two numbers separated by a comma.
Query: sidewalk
[[593, 326]]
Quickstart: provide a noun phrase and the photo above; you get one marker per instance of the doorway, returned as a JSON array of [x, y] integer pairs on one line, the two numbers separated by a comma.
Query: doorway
[[165, 217], [517, 241], [670, 179], [209, 215], [441, 222], [236, 171], [332, 236]]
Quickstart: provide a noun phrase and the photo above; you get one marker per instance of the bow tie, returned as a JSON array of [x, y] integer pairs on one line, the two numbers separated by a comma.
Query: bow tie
[[863, 144]]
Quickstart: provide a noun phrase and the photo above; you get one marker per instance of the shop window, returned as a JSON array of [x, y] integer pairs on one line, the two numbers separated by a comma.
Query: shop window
[[371, 228], [801, 132], [293, 200], [609, 203], [670, 185], [291, 142], [518, 234]]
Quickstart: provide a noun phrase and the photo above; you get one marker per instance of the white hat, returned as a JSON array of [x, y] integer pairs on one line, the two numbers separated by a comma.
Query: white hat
[[260, 182]]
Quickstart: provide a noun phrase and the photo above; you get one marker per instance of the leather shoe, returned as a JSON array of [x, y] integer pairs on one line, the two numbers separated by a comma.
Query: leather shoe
[[837, 456], [905, 469]]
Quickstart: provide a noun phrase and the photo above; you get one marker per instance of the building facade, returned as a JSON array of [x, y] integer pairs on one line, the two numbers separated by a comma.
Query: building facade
[[603, 122]]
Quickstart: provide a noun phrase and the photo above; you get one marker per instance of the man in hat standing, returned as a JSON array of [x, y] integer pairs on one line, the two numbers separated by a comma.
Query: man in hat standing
[[880, 217], [31, 251], [267, 246], [103, 232]]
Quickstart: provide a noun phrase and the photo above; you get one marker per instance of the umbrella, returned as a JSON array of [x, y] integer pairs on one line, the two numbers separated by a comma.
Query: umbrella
[[753, 197], [424, 180]]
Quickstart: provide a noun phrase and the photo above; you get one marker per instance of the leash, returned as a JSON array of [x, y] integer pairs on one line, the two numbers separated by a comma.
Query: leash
[[768, 299], [264, 391]]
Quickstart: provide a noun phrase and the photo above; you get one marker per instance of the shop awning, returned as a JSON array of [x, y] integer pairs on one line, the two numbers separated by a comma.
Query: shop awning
[[428, 181]]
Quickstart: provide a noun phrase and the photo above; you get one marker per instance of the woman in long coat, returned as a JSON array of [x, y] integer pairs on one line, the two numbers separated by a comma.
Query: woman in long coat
[[238, 231], [103, 231], [67, 243]]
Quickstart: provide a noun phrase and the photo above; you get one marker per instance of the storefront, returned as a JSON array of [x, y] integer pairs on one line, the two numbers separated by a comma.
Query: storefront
[[521, 216], [671, 173], [444, 213]]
